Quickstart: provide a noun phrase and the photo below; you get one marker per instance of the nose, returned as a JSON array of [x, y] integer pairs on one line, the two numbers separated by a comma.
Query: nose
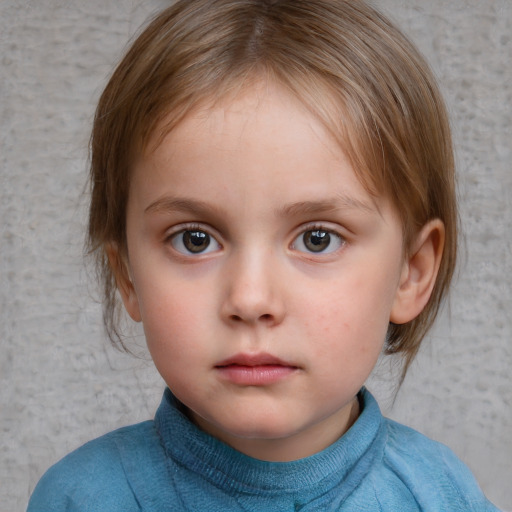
[[253, 291]]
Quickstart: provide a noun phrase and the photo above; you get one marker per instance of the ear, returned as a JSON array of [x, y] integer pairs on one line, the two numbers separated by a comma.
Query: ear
[[419, 273], [120, 269]]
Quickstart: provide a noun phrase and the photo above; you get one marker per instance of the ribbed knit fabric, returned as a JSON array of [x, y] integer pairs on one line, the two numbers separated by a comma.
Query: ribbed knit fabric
[[170, 465]]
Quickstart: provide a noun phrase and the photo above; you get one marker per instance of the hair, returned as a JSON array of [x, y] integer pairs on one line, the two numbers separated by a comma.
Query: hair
[[348, 64]]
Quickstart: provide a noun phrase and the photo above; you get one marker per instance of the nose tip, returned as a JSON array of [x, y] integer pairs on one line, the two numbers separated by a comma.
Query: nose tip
[[253, 296]]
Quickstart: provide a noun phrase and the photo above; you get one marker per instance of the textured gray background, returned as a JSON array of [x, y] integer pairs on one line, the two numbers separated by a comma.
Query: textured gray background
[[60, 382]]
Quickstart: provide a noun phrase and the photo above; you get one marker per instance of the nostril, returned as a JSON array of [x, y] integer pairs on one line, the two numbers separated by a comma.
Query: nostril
[[266, 318]]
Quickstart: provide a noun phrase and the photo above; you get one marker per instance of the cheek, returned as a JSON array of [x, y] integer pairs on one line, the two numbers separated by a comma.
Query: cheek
[[347, 325], [171, 315]]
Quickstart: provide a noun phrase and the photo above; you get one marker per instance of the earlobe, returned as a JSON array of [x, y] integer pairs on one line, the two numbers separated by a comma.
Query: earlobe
[[419, 273], [124, 283]]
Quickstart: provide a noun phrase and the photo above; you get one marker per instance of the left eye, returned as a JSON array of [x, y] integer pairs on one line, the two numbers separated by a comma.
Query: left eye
[[318, 241], [194, 241]]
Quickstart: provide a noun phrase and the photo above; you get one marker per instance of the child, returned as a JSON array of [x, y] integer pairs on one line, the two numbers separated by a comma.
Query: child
[[273, 198]]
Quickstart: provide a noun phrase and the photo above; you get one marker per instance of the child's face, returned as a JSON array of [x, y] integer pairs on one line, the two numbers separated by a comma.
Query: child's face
[[263, 272]]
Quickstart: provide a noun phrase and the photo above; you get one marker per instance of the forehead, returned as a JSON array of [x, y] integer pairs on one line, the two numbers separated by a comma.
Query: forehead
[[262, 116], [324, 113], [262, 113], [262, 141]]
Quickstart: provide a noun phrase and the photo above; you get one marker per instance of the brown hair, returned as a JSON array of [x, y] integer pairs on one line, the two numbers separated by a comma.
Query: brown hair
[[345, 61]]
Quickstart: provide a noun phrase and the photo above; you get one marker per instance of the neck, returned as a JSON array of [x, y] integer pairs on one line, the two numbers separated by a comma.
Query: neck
[[296, 446]]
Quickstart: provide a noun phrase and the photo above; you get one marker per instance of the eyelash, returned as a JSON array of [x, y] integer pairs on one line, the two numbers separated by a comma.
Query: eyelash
[[319, 228], [320, 238], [178, 243]]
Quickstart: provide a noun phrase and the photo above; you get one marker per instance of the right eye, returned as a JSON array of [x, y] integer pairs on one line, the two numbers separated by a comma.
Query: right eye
[[194, 241]]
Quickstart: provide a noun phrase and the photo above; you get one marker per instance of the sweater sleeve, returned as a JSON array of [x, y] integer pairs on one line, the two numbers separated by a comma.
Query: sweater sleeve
[[89, 479], [434, 475]]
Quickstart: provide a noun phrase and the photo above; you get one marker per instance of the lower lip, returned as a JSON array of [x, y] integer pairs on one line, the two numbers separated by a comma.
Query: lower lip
[[255, 375]]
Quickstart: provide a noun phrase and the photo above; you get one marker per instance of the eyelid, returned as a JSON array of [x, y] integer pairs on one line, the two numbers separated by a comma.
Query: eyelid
[[319, 226], [322, 226], [176, 230], [191, 226]]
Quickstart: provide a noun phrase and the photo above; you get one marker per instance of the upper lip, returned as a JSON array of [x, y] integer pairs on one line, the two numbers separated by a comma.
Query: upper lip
[[260, 359]]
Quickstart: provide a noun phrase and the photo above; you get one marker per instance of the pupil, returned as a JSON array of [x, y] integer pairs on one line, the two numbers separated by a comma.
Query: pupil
[[196, 241], [317, 241]]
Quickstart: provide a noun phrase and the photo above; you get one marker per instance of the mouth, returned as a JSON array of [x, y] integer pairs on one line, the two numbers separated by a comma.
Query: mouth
[[255, 369]]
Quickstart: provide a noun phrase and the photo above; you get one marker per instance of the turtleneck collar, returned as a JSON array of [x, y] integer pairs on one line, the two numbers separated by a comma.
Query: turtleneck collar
[[339, 468]]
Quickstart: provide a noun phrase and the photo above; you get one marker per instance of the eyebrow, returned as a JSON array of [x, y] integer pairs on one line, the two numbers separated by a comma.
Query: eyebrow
[[202, 208], [337, 203], [183, 204]]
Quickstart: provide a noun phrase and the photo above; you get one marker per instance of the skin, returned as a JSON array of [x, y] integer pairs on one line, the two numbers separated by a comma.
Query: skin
[[259, 175]]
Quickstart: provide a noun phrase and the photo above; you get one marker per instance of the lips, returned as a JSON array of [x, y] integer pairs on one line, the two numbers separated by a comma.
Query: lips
[[262, 359], [255, 369]]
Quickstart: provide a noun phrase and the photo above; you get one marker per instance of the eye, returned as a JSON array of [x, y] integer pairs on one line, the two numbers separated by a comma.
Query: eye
[[317, 241], [194, 241]]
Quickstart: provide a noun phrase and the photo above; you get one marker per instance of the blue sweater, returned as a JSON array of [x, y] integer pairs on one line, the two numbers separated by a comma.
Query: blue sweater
[[170, 465]]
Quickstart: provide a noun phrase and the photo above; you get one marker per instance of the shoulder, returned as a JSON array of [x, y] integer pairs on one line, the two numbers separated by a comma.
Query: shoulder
[[93, 477], [435, 476]]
